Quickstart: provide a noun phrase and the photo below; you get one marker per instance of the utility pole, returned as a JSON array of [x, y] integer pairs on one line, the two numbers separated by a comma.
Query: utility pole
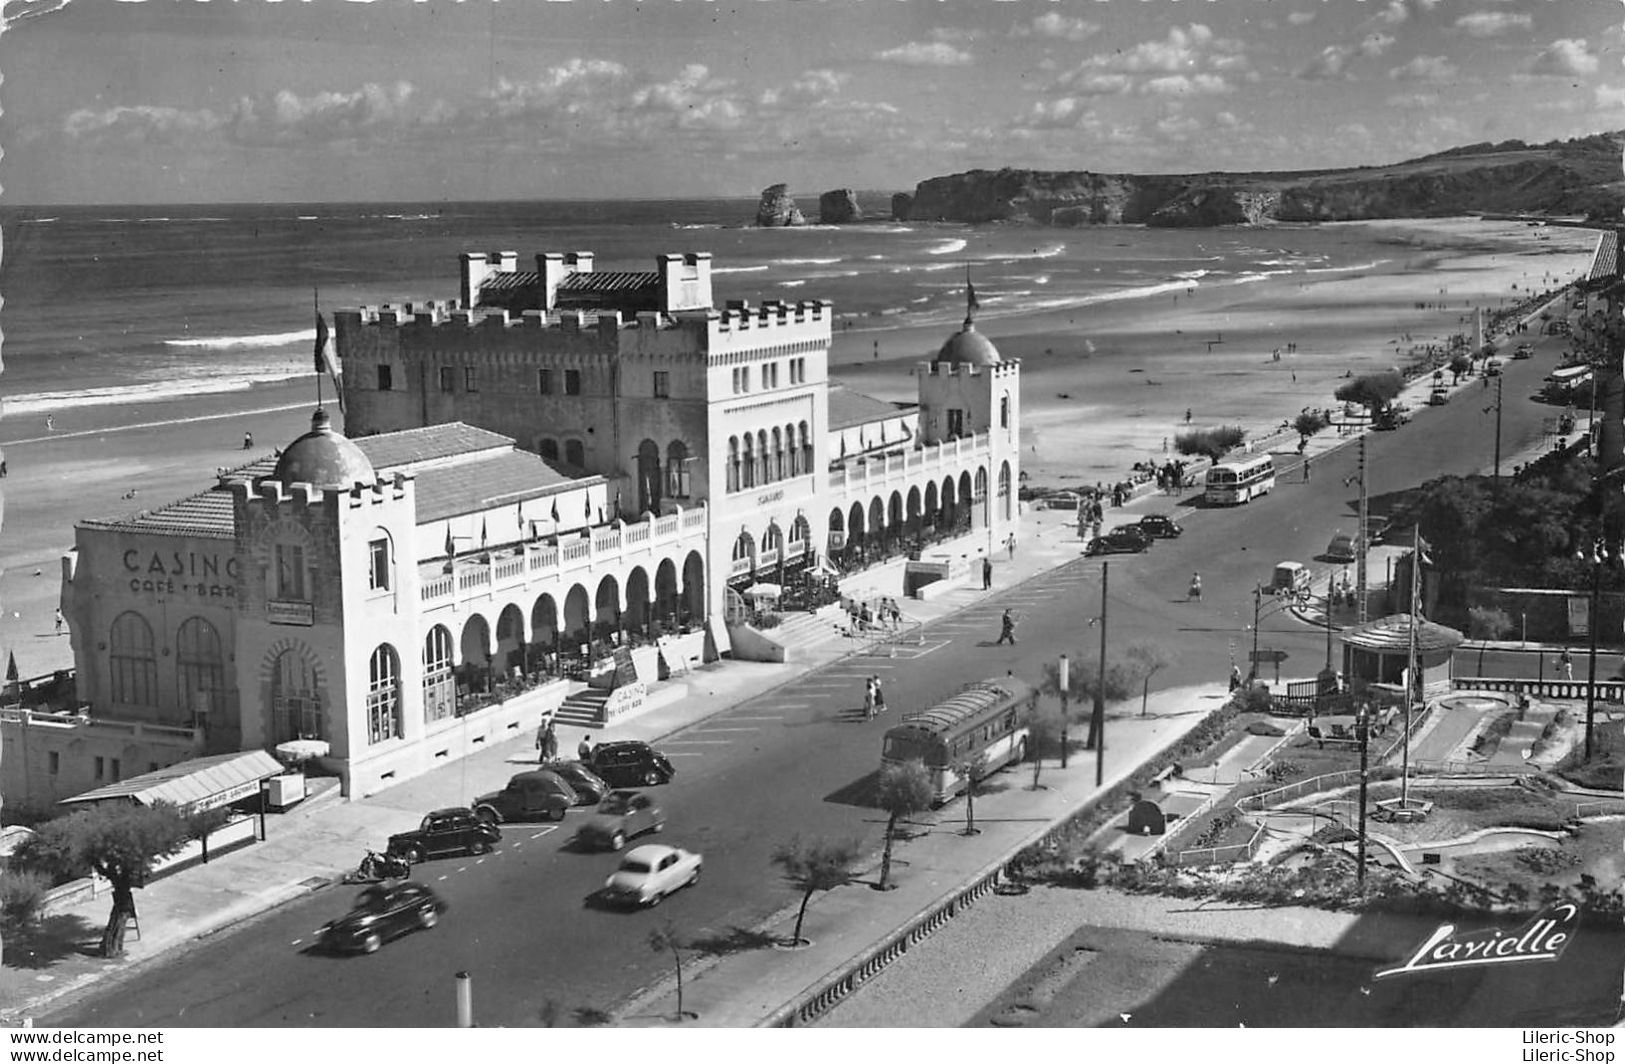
[[1100, 687], [1496, 483], [1361, 543], [1064, 674], [1362, 729]]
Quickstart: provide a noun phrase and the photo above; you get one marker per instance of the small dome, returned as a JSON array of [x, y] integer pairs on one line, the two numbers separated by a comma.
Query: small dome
[[969, 347], [323, 458]]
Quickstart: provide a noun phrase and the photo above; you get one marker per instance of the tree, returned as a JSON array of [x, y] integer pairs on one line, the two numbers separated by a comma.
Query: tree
[[1083, 681], [662, 939], [815, 866], [903, 790], [1144, 661], [1307, 423], [1044, 728], [1460, 366], [117, 841], [1374, 391], [972, 768]]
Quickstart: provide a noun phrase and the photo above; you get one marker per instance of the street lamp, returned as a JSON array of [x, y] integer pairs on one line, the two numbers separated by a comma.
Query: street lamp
[[1599, 558], [1362, 731], [1064, 674]]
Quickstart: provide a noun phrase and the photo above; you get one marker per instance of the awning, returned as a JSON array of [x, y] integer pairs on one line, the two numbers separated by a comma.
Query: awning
[[764, 591], [196, 785]]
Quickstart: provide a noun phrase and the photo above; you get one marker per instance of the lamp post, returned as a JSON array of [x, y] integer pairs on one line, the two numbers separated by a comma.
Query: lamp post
[[1599, 555], [1362, 731], [1064, 674], [1258, 605], [1100, 687]]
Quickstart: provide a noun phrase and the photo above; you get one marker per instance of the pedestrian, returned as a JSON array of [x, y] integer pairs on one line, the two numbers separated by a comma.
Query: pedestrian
[[584, 751], [1235, 676], [1306, 469], [1187, 415], [1011, 545], [869, 695], [50, 423], [248, 441], [1007, 631], [880, 696], [59, 620], [1567, 661], [1195, 592], [895, 614], [987, 573], [541, 743]]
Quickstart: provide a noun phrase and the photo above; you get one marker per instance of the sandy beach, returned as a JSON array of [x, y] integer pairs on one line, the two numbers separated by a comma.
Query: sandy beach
[[1103, 386]]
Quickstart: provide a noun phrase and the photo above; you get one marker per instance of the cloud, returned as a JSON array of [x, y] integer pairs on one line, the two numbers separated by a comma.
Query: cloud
[[1064, 112], [1178, 125], [1424, 68], [543, 93], [956, 34], [1413, 100], [140, 122], [1493, 23], [1183, 48], [1375, 44], [1183, 85], [1301, 18], [1610, 96], [1057, 26], [917, 53], [1565, 57], [1328, 65], [1094, 83]]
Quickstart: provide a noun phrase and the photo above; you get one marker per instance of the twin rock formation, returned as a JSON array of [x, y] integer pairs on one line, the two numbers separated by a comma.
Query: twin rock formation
[[834, 208]]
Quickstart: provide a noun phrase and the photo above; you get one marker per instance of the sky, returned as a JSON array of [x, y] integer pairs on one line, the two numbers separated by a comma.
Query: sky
[[196, 101]]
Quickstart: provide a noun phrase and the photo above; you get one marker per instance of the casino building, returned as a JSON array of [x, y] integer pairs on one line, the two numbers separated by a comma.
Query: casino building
[[559, 468]]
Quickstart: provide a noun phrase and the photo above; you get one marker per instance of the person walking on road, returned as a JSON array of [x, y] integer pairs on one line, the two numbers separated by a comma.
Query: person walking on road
[[1567, 661], [59, 620], [1235, 676], [1007, 632], [1195, 592], [987, 574], [870, 694], [880, 694], [584, 751], [1011, 543], [1306, 469], [547, 742]]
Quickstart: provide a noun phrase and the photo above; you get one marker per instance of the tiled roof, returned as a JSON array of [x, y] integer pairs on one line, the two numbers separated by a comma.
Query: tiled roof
[[608, 282], [206, 514], [1392, 634], [485, 482], [499, 282], [848, 408], [1605, 261], [391, 450]]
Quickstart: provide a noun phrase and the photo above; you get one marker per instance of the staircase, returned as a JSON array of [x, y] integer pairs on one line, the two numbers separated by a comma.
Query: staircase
[[802, 631], [584, 709]]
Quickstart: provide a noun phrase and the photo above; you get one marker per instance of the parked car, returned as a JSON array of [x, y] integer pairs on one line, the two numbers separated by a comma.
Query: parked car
[[648, 873], [1524, 351], [539, 795], [621, 816], [1159, 526], [1392, 416], [1341, 548], [1126, 540], [589, 789], [382, 912], [631, 763], [455, 830], [1492, 368]]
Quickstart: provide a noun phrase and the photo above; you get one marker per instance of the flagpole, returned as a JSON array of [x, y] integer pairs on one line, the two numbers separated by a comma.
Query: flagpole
[[1410, 665], [316, 305]]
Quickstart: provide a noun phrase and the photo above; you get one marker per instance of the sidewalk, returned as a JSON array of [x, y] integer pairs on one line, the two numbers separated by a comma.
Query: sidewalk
[[315, 843]]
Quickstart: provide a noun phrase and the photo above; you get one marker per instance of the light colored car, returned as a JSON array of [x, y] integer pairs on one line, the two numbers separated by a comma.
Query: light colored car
[[649, 873], [620, 816]]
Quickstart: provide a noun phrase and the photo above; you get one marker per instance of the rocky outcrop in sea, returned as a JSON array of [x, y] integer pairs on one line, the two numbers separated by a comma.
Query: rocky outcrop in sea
[[776, 208], [838, 207]]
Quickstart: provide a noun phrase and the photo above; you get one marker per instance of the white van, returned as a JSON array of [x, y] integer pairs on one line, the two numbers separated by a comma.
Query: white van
[[1291, 579]]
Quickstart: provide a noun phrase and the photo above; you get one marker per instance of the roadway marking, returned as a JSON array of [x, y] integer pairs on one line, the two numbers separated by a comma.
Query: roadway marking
[[696, 742], [763, 716], [681, 753], [544, 831], [442, 879], [708, 729]]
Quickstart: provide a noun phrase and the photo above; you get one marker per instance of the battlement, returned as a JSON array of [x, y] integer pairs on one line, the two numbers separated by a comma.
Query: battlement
[[452, 314], [274, 494], [740, 315], [1008, 368]]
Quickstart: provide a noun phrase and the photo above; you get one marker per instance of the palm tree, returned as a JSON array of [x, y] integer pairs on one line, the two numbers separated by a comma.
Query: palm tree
[[815, 866], [904, 790]]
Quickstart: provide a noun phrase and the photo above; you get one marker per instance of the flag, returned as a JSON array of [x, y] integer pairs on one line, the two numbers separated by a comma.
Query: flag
[[482, 531], [321, 343], [971, 302], [519, 515], [1422, 548], [617, 504], [587, 505], [327, 359], [451, 544], [555, 511]]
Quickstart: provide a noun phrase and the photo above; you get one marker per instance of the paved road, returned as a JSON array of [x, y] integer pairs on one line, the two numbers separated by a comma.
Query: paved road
[[796, 760]]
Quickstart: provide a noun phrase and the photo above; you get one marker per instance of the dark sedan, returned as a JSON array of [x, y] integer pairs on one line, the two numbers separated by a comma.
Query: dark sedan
[[382, 912], [590, 790], [1125, 540], [1159, 526]]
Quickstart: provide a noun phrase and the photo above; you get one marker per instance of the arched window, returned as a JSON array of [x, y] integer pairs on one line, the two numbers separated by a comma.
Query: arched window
[[200, 674], [773, 538], [778, 455], [806, 448], [649, 480], [439, 683], [383, 695], [132, 665], [733, 463], [677, 475], [575, 454], [744, 553], [1004, 411], [795, 453], [763, 456], [749, 463], [548, 449], [296, 705]]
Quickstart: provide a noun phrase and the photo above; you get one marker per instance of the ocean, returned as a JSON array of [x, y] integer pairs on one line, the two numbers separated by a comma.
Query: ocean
[[133, 304]]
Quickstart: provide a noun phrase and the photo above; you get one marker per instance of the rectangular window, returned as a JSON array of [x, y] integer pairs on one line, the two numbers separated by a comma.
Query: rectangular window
[[290, 572], [53, 762], [572, 382], [1004, 412], [544, 381], [448, 379], [115, 770], [766, 377], [101, 768], [662, 384], [378, 571], [956, 423], [386, 378], [471, 380]]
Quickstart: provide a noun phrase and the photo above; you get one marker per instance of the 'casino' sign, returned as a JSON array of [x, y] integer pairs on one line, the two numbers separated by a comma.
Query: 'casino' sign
[[182, 573]]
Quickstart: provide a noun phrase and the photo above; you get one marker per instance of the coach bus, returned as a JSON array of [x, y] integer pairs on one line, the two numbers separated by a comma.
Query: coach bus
[[1565, 382], [1230, 483], [986, 719]]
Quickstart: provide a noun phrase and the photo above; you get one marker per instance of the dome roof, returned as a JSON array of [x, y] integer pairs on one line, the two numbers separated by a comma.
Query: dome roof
[[323, 458], [1392, 634], [969, 347]]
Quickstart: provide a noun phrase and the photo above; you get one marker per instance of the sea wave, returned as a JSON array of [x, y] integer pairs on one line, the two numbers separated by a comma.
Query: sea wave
[[791, 284], [738, 269], [1191, 275], [1050, 252], [946, 247], [1372, 265], [39, 221], [151, 391], [260, 340], [806, 262]]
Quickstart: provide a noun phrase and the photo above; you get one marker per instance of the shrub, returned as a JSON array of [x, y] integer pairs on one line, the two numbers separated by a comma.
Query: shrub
[[22, 899], [1212, 443], [1547, 861], [765, 621], [1282, 771]]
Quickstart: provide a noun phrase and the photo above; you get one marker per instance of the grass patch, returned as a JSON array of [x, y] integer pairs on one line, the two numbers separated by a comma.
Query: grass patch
[[1458, 811], [1606, 767]]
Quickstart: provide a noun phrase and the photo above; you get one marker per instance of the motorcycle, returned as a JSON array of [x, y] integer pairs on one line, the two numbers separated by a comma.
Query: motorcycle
[[376, 867]]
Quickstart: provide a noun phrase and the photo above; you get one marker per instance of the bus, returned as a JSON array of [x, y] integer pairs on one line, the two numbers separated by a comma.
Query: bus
[[987, 718], [1234, 482], [1565, 381]]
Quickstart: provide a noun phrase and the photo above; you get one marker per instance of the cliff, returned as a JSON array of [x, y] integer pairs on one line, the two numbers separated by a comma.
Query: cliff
[[776, 208], [1577, 177], [838, 207]]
